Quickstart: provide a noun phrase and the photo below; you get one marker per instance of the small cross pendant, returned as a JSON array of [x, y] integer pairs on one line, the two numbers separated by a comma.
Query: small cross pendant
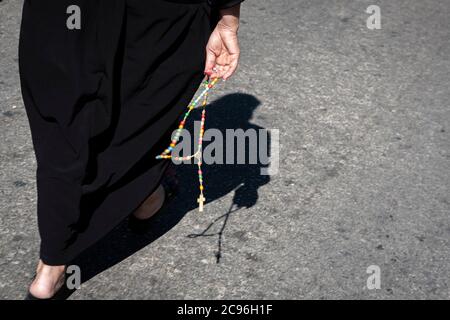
[[201, 200]]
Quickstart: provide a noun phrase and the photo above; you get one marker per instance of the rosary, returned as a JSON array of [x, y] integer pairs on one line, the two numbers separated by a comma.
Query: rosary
[[167, 153]]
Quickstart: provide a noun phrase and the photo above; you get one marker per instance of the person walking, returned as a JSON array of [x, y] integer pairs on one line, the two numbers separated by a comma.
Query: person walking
[[104, 83]]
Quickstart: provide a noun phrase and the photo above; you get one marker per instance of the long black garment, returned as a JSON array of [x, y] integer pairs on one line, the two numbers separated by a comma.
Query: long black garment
[[102, 100]]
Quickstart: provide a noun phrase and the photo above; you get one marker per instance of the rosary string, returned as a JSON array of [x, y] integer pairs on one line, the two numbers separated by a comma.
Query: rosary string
[[167, 153]]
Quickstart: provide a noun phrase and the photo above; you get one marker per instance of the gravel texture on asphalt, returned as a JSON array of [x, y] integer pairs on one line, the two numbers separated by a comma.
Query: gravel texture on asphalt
[[364, 168]]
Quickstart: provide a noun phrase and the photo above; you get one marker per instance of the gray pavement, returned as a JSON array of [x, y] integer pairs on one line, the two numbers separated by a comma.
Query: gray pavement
[[364, 120]]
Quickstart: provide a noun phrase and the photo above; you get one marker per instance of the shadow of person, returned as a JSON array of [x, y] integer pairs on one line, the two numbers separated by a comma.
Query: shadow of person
[[233, 111]]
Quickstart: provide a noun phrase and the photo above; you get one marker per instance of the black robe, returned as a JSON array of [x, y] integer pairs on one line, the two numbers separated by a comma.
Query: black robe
[[102, 99]]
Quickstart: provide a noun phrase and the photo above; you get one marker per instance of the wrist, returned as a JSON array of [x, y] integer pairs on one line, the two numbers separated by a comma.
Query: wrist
[[229, 18]]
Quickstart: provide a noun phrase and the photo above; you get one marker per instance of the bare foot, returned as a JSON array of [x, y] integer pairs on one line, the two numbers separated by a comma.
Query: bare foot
[[49, 279], [151, 205]]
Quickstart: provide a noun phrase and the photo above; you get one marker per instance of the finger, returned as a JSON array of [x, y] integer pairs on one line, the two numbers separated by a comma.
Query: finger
[[222, 62], [216, 72], [210, 62], [221, 70], [232, 44], [232, 67], [225, 70]]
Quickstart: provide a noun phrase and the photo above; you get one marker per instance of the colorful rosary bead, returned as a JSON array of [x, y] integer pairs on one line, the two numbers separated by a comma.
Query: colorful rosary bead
[[166, 154]]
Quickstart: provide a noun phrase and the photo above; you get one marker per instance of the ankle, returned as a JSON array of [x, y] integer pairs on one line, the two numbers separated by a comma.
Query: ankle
[[152, 204], [48, 280], [52, 270]]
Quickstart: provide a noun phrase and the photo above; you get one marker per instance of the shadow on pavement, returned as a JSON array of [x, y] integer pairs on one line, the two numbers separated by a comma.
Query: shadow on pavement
[[229, 112]]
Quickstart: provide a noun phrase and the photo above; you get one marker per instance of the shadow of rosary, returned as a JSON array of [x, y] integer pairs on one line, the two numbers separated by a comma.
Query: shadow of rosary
[[235, 206]]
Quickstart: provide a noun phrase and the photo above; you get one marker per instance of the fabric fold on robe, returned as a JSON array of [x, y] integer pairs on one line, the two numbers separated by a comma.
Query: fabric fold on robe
[[102, 102]]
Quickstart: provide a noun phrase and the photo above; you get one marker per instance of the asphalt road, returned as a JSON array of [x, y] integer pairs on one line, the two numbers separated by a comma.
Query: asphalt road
[[364, 177]]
